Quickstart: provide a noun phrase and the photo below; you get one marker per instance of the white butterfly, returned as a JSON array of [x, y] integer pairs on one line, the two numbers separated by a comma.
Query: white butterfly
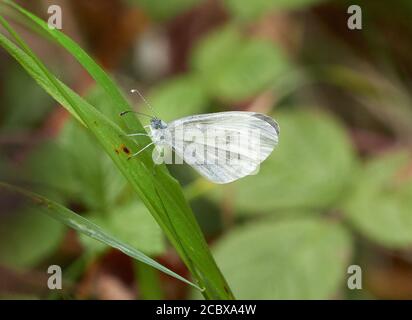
[[222, 146]]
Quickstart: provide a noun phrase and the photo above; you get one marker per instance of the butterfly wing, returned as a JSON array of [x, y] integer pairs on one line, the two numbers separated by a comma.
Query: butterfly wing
[[224, 146]]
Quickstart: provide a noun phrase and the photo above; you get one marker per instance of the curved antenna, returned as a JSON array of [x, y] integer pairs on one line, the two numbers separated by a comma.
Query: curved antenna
[[132, 111], [144, 100]]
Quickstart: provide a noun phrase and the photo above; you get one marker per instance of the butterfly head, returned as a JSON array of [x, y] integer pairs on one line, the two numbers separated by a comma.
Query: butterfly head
[[157, 124]]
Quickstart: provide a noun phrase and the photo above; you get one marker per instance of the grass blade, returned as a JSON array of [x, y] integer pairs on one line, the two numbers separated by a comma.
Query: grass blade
[[84, 226]]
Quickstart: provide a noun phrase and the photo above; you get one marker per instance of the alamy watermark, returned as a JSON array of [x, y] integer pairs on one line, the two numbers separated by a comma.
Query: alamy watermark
[[355, 19], [54, 282], [55, 17], [355, 280]]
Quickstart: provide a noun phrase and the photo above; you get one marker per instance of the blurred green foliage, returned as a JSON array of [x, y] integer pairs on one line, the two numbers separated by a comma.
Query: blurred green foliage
[[27, 238], [16, 102], [178, 97], [234, 67], [298, 223], [289, 259], [250, 10], [380, 203], [163, 10]]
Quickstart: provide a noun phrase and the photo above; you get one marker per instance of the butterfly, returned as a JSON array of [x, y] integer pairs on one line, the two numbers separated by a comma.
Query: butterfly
[[222, 146]]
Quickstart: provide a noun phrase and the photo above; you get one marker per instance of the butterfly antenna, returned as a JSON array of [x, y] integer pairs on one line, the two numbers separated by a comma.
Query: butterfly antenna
[[132, 111], [144, 100]]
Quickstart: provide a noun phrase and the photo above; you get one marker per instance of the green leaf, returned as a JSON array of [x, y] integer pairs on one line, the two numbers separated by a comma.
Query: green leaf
[[49, 171], [131, 224], [248, 10], [163, 10], [310, 168], [178, 97], [84, 226], [380, 204], [290, 259], [97, 183], [216, 49], [234, 68], [136, 226], [161, 194], [60, 170], [27, 238], [22, 110]]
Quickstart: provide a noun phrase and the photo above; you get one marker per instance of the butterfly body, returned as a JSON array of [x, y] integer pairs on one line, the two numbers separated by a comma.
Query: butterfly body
[[159, 132]]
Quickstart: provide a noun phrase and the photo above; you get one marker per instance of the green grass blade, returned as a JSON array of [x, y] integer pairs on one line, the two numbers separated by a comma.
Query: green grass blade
[[161, 194], [84, 226]]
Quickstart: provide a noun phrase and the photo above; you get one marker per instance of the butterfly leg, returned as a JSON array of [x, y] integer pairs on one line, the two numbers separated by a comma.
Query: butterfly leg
[[140, 151], [138, 134]]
